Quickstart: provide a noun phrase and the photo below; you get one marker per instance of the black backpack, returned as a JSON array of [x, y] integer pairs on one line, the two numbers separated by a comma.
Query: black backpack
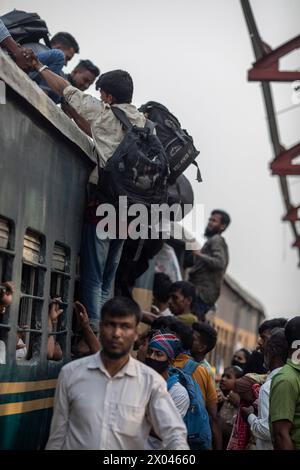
[[26, 27], [138, 168], [178, 144]]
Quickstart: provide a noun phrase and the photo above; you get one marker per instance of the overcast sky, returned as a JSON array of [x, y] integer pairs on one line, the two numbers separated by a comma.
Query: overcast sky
[[193, 56]]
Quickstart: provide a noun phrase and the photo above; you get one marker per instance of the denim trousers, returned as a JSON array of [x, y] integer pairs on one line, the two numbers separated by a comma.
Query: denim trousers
[[99, 260]]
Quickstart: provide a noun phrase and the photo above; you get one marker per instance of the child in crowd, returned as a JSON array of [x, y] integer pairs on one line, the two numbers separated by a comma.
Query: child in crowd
[[228, 401]]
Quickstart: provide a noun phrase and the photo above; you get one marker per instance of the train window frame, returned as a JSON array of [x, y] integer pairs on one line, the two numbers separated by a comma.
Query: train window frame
[[32, 295], [59, 288], [7, 250], [7, 255]]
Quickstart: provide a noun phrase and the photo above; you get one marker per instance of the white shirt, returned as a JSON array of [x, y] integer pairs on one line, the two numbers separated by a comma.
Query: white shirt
[[181, 399], [93, 410], [260, 424], [166, 313], [107, 131], [22, 352]]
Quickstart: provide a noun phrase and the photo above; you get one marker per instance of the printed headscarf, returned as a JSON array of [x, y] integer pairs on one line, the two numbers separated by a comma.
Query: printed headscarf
[[167, 343]]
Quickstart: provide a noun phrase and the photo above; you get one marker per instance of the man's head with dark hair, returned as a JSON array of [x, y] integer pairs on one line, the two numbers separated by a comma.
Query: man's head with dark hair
[[183, 331], [204, 340], [292, 332], [115, 87], [276, 350], [271, 324], [255, 364], [161, 287], [217, 223], [84, 74], [121, 307], [182, 296], [265, 331], [118, 327], [162, 322], [66, 43]]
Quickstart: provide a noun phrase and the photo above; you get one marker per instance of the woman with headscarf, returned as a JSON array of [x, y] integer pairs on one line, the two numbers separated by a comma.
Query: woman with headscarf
[[163, 347]]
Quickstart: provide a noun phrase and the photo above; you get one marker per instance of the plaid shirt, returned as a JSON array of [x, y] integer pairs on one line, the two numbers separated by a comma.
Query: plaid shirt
[[4, 33]]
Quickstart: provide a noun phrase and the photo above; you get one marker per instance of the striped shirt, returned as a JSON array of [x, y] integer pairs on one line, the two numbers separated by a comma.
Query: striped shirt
[[4, 33]]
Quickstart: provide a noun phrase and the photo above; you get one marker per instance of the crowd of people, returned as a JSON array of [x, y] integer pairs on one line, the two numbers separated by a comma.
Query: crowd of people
[[153, 389], [254, 406]]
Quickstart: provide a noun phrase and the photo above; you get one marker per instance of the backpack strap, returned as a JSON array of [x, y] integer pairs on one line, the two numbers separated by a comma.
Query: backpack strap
[[199, 177], [121, 116], [190, 367], [172, 380]]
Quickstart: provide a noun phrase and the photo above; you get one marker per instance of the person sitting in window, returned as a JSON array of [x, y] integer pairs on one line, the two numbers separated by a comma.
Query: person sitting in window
[[21, 349]]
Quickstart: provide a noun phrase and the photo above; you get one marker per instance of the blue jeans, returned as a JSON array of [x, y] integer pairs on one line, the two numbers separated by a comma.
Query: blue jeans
[[99, 260], [55, 60]]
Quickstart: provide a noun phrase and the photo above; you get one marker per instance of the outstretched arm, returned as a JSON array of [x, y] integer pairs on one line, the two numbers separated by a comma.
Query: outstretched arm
[[82, 123], [55, 82], [54, 351], [87, 332], [8, 43]]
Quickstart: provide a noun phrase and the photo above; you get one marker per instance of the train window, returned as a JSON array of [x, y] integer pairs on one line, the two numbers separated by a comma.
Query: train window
[[6, 260], [6, 251], [4, 235], [31, 303], [59, 287]]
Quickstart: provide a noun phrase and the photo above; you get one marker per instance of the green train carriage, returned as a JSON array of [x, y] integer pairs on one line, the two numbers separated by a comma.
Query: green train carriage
[[45, 163]]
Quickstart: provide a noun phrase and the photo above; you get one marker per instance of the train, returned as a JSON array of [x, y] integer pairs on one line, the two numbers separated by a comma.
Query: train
[[45, 163]]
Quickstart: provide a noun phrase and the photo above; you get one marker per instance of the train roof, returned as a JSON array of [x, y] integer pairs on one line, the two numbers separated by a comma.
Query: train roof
[[19, 82], [243, 294]]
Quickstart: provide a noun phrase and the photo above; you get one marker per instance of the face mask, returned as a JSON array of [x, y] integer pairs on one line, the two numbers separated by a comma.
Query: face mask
[[159, 366]]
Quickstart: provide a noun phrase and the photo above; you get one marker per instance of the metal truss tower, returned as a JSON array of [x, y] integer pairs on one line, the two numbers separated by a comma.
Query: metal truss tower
[[266, 70]]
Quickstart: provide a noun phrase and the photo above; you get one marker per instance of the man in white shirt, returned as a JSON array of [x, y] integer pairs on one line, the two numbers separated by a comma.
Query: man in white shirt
[[276, 353], [110, 401]]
